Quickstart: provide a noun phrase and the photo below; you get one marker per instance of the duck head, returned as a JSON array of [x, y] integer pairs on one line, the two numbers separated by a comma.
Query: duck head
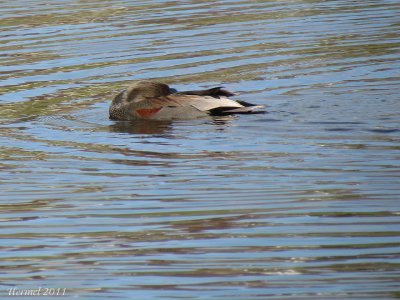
[[145, 89], [138, 91]]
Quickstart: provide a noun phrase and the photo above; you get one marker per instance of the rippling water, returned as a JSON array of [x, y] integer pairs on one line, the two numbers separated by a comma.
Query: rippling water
[[298, 203]]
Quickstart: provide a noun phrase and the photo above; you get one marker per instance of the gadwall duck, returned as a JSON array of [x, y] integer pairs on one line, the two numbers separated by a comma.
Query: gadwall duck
[[157, 101]]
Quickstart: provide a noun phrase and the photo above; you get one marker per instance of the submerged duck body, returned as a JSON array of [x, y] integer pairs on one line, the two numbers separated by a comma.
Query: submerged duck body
[[157, 101]]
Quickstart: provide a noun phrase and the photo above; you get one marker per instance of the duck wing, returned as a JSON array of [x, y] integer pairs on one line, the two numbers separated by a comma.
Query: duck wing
[[179, 105]]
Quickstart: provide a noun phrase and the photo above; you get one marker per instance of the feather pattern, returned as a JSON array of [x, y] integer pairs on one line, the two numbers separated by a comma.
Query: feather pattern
[[153, 100]]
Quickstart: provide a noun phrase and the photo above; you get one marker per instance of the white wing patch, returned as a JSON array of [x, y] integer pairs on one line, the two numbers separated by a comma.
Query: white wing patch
[[206, 103]]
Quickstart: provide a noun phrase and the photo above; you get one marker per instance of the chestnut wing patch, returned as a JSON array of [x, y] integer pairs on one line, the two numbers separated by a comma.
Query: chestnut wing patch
[[148, 112]]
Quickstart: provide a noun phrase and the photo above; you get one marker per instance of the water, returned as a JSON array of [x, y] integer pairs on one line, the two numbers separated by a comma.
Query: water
[[299, 203]]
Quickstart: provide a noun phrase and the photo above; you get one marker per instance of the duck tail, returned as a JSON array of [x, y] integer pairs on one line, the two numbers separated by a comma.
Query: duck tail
[[249, 109]]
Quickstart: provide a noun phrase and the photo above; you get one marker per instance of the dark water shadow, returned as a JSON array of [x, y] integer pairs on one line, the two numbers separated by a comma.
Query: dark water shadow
[[141, 127], [165, 127]]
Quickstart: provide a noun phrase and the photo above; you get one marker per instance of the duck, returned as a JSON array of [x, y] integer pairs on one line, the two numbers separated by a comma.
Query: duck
[[153, 100]]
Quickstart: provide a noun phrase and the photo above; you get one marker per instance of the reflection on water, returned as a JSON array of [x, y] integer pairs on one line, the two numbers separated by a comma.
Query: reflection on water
[[297, 203], [141, 126]]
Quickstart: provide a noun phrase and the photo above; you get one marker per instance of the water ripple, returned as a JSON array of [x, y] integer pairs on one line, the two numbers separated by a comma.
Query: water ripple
[[299, 203]]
